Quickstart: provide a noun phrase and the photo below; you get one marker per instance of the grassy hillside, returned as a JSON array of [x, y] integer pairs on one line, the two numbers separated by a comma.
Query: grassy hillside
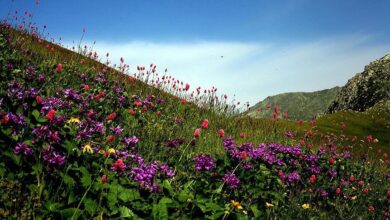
[[297, 105], [80, 140]]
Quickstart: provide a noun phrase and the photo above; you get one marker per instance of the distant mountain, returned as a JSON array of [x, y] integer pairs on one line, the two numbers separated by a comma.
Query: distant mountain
[[297, 105], [365, 89]]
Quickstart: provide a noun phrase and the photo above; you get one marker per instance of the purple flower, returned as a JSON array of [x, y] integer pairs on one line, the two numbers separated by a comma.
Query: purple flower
[[21, 147], [175, 143], [332, 173], [293, 177], [289, 134], [166, 170], [347, 155], [203, 162], [131, 141], [231, 180], [117, 130], [52, 157]]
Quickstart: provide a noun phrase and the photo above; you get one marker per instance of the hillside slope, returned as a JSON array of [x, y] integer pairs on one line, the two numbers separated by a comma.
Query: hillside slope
[[365, 89], [298, 105]]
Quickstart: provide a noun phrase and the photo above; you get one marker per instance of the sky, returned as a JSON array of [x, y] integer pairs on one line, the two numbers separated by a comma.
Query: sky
[[268, 47]]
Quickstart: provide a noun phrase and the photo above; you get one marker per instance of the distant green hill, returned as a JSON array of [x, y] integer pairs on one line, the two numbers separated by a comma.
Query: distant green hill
[[297, 105]]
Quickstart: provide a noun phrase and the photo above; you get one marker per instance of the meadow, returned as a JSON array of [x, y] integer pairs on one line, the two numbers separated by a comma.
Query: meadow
[[83, 139]]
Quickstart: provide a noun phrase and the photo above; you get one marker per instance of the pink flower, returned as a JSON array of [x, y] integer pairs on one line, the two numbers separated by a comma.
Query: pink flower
[[205, 123], [221, 133], [197, 133], [59, 68]]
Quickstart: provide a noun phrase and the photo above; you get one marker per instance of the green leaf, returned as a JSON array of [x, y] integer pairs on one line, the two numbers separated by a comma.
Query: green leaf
[[160, 211], [52, 206], [255, 210], [37, 116], [90, 206], [167, 186], [127, 195], [68, 180], [112, 196], [68, 213], [86, 179], [126, 212]]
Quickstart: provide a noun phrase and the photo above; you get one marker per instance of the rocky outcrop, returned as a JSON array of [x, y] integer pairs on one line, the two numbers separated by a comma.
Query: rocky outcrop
[[365, 89]]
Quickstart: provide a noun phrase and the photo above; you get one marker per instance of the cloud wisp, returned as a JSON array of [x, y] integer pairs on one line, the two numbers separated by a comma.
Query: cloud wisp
[[253, 71]]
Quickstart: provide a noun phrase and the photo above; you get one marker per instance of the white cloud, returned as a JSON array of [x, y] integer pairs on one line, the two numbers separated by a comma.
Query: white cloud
[[254, 71]]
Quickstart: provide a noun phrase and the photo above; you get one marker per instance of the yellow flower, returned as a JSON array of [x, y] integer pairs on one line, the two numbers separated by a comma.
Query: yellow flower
[[111, 151], [73, 120], [269, 204], [236, 204], [87, 148], [354, 197], [306, 206]]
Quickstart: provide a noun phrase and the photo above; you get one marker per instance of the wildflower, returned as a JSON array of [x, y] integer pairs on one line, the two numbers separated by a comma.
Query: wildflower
[[21, 147], [312, 179], [338, 191], [59, 68], [354, 197], [118, 166], [294, 176], [131, 141], [110, 138], [51, 114], [197, 133], [38, 99], [203, 162], [331, 160], [289, 134], [87, 148], [371, 208], [117, 130], [86, 87], [351, 178], [104, 179], [306, 206], [369, 138], [268, 205], [231, 180], [132, 112], [243, 155], [73, 120], [361, 183], [236, 204], [242, 135], [187, 87], [205, 123], [111, 116], [365, 191], [111, 151], [221, 133]]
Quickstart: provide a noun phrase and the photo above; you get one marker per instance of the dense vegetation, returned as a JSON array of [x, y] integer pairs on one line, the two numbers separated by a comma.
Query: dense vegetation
[[298, 105], [80, 140]]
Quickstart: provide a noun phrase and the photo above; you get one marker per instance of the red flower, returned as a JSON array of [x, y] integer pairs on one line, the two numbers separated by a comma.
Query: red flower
[[284, 114], [242, 135], [158, 113], [59, 68], [312, 179], [338, 191], [197, 133], [38, 99], [310, 190], [51, 114], [187, 87], [118, 166], [104, 179], [111, 116], [205, 123], [110, 138], [365, 191], [371, 208], [221, 133], [86, 87], [331, 160], [243, 155], [361, 183], [5, 119], [369, 138], [132, 112], [352, 178], [388, 192]]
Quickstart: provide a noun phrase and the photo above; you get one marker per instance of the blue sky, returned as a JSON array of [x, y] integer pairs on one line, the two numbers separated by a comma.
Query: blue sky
[[269, 47]]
